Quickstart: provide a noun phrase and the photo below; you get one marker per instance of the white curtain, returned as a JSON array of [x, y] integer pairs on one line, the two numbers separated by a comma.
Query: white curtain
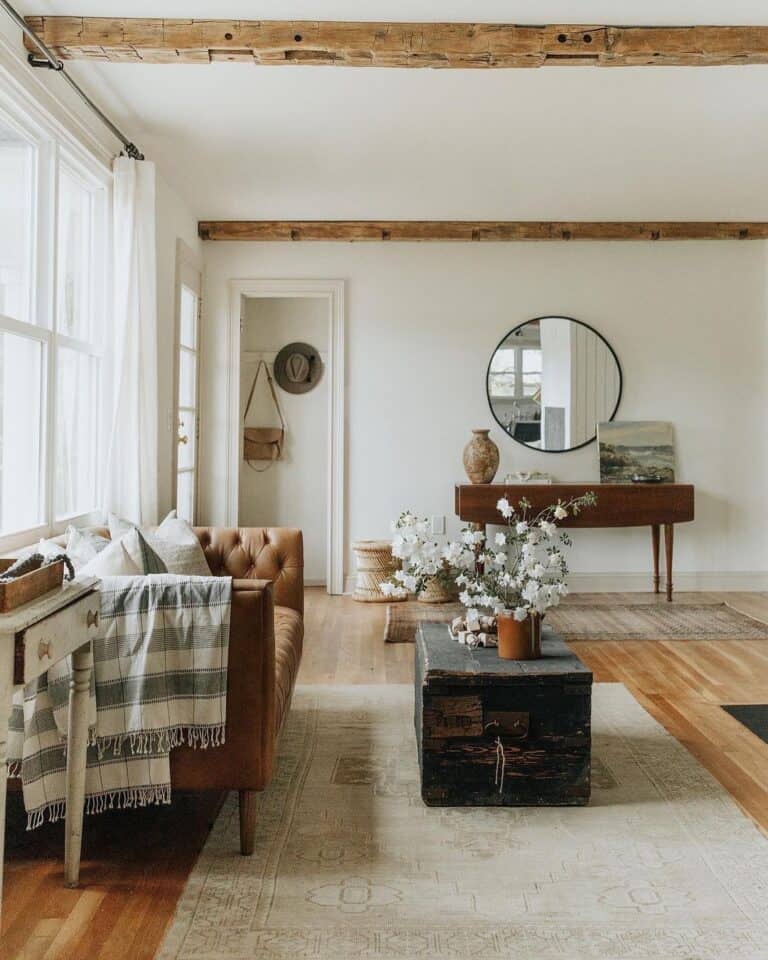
[[130, 481]]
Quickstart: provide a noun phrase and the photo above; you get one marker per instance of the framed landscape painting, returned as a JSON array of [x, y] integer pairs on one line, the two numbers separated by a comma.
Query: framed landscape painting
[[640, 448]]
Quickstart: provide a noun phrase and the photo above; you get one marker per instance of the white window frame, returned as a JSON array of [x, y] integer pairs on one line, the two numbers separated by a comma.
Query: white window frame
[[54, 147]]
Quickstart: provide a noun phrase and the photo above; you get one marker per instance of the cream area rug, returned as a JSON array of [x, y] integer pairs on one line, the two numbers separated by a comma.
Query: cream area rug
[[351, 865], [581, 621]]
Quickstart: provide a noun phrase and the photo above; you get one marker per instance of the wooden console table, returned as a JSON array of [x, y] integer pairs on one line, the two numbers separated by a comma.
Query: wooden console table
[[33, 638], [654, 505]]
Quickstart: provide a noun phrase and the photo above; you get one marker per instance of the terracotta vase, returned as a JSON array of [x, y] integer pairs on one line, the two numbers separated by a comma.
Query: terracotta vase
[[516, 638], [481, 457]]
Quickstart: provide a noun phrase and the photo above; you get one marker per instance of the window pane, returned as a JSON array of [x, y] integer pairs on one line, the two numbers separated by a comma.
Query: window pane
[[76, 433], [16, 224], [74, 258], [531, 361], [185, 496], [187, 378], [186, 439], [188, 325], [21, 380]]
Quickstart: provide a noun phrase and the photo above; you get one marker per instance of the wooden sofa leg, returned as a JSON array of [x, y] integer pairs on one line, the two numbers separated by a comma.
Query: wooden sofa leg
[[247, 821]]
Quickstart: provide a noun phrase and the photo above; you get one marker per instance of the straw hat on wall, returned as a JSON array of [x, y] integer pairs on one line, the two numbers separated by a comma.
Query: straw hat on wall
[[298, 368]]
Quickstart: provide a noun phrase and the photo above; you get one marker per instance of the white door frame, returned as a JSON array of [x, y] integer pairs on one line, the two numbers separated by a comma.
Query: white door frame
[[189, 273], [333, 292]]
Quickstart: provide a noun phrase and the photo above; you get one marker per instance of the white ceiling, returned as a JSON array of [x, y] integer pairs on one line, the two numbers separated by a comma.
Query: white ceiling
[[315, 142]]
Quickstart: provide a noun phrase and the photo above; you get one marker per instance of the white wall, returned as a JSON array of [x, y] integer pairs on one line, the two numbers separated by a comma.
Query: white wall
[[294, 491], [688, 322]]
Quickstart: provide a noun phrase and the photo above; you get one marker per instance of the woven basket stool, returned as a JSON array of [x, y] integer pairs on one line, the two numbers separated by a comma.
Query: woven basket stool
[[375, 564]]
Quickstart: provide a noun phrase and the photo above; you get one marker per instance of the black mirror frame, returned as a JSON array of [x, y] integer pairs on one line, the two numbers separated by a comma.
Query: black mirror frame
[[557, 316]]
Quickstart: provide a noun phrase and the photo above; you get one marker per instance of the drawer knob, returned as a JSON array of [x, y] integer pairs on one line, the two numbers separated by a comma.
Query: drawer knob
[[44, 649], [92, 618]]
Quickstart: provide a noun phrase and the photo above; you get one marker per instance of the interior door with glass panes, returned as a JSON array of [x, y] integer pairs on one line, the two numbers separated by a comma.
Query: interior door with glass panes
[[187, 429]]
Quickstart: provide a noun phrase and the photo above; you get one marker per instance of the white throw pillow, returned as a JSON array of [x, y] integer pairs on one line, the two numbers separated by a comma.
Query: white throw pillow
[[176, 530], [118, 527], [113, 561], [141, 550], [48, 548], [177, 544], [83, 546]]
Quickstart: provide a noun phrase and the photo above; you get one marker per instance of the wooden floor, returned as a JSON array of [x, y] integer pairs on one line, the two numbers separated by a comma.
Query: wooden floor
[[135, 863]]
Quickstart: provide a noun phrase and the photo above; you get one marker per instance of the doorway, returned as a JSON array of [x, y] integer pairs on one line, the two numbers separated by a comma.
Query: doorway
[[305, 487]]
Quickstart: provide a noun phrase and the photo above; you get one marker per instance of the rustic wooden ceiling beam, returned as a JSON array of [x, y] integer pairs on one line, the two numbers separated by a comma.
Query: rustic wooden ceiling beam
[[345, 43], [478, 231]]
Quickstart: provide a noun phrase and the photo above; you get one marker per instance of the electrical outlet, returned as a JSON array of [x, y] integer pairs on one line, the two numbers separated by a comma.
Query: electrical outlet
[[438, 525]]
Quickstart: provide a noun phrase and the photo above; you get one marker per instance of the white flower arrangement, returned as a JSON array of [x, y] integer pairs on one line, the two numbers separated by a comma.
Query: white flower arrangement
[[423, 558], [525, 570]]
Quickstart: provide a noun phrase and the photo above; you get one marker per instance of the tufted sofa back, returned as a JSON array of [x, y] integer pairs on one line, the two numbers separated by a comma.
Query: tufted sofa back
[[261, 553], [253, 553]]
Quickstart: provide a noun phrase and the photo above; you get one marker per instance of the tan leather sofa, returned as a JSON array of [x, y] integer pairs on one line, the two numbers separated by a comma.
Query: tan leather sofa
[[265, 644]]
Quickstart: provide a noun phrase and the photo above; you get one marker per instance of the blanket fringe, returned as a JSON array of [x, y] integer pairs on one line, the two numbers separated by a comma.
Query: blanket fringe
[[162, 741], [123, 799]]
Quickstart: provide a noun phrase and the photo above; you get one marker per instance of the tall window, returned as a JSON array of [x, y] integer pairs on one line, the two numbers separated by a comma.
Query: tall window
[[78, 350], [52, 289]]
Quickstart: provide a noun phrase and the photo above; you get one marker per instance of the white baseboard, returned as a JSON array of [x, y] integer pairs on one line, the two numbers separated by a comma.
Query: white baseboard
[[714, 580], [726, 580]]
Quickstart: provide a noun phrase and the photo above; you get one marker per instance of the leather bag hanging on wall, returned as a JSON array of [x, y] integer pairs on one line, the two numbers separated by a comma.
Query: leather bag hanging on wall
[[262, 444]]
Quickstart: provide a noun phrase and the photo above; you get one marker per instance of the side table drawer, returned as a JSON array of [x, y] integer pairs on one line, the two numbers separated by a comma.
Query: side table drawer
[[59, 635]]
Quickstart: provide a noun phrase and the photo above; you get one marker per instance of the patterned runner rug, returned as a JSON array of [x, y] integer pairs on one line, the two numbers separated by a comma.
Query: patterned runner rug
[[581, 621], [351, 865]]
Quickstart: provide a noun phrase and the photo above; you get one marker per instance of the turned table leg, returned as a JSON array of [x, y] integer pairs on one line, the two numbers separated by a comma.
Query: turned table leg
[[6, 690], [656, 541], [77, 749], [669, 537]]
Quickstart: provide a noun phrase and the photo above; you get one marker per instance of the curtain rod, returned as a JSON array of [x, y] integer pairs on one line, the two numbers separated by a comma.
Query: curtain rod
[[51, 62]]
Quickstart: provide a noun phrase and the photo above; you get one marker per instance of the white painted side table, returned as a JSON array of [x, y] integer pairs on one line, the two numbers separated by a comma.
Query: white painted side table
[[33, 638]]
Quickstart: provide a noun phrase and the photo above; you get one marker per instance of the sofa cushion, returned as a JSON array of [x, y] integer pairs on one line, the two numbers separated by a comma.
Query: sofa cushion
[[289, 640]]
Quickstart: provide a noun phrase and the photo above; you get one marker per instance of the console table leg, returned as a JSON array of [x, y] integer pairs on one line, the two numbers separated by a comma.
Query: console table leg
[[6, 690], [669, 537], [656, 539], [77, 748]]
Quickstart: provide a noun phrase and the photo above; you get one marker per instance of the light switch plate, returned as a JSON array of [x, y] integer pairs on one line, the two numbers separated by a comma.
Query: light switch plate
[[438, 525]]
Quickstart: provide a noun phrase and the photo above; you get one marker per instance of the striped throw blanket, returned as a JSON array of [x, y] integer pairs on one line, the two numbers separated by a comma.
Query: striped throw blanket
[[159, 680]]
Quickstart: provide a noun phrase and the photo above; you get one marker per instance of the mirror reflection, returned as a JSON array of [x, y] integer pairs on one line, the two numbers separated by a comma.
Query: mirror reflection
[[551, 381]]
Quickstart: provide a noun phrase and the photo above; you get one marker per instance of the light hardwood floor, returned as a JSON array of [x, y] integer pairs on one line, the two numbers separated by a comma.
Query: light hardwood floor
[[135, 863]]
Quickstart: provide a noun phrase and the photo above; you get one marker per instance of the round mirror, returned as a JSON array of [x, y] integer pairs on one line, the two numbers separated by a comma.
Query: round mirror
[[551, 381]]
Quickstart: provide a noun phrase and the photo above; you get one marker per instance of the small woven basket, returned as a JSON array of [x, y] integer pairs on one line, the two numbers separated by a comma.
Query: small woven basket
[[435, 592], [375, 564]]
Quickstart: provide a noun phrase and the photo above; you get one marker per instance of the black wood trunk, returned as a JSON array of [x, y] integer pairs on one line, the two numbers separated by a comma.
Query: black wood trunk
[[495, 732]]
